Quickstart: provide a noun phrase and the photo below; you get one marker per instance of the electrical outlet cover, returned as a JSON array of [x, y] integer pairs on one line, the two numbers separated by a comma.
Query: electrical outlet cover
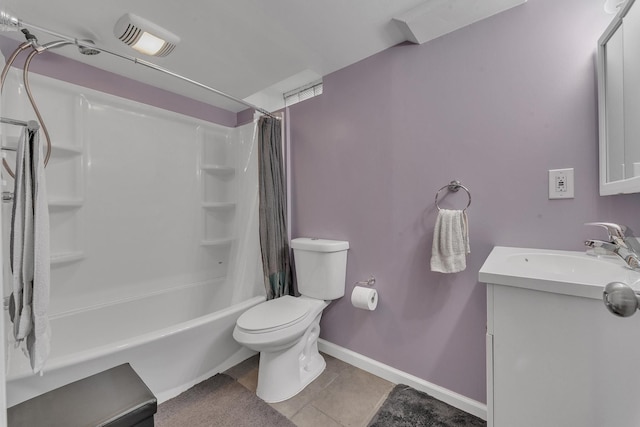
[[561, 183]]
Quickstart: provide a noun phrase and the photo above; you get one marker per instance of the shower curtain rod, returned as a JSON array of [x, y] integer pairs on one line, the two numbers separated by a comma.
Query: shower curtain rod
[[10, 21]]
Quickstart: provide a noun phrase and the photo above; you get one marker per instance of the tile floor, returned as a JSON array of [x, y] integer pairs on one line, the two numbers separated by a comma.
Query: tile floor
[[342, 395]]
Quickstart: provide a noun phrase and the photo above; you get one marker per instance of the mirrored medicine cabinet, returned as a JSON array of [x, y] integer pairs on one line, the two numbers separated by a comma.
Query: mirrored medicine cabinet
[[619, 102]]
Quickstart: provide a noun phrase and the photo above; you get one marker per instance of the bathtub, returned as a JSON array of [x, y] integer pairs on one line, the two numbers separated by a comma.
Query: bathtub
[[173, 339]]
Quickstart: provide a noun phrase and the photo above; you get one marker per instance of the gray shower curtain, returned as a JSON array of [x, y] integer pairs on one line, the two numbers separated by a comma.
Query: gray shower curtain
[[274, 241]]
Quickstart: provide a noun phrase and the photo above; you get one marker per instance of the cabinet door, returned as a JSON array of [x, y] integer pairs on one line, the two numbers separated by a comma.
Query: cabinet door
[[563, 361]]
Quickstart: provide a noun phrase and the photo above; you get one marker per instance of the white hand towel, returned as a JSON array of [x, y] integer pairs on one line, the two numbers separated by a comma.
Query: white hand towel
[[30, 252], [450, 241]]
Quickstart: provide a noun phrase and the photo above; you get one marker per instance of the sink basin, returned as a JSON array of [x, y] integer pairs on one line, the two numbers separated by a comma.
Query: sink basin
[[564, 272], [564, 263]]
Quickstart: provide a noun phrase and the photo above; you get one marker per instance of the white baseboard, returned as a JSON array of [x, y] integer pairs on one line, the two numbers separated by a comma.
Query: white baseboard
[[397, 376]]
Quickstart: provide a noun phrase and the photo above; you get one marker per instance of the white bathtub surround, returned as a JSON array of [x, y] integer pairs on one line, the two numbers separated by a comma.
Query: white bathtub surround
[[140, 199], [30, 251], [153, 238]]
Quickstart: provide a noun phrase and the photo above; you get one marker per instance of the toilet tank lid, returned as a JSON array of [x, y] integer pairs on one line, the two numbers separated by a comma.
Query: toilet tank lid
[[319, 245]]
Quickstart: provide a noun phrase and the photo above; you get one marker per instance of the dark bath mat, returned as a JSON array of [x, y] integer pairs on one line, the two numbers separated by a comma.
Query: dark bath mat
[[218, 401], [408, 407]]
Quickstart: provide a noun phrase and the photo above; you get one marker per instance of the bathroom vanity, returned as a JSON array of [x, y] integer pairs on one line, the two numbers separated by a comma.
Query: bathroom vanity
[[555, 355]]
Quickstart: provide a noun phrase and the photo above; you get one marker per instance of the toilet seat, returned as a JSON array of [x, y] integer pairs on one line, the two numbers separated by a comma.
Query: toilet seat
[[274, 314]]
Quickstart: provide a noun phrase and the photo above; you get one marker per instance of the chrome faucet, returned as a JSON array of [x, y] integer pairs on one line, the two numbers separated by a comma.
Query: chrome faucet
[[621, 242]]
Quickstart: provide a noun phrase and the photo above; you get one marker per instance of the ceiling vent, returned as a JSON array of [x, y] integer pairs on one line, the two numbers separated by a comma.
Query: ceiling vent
[[145, 36]]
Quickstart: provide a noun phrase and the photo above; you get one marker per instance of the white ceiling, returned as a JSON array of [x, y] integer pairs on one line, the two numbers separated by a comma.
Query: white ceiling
[[241, 47]]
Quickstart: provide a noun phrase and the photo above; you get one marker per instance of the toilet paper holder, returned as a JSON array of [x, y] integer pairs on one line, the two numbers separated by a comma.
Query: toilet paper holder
[[369, 282]]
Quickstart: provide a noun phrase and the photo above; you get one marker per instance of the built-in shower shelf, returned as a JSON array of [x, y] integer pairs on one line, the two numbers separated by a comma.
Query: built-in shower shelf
[[219, 205], [217, 242], [60, 150], [66, 257], [65, 203], [10, 141], [218, 169]]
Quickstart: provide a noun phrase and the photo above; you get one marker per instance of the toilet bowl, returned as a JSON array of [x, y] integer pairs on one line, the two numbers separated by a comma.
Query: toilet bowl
[[285, 330], [287, 342]]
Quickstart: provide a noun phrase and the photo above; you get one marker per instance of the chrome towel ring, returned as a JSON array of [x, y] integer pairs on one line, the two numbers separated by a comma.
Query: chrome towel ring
[[454, 186]]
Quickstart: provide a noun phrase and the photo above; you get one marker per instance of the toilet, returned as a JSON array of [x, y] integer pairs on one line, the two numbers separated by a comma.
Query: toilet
[[285, 330]]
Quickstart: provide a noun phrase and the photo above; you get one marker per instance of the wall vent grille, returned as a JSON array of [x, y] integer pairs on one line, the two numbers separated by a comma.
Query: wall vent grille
[[303, 93]]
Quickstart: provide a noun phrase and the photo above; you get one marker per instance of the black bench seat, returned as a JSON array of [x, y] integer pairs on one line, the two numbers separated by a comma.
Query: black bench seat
[[116, 397]]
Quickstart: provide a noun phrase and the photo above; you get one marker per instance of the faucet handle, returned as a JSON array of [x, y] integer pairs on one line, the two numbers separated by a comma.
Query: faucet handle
[[616, 231]]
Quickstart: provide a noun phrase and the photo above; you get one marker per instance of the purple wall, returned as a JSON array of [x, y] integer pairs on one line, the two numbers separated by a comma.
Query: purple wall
[[495, 105], [61, 68]]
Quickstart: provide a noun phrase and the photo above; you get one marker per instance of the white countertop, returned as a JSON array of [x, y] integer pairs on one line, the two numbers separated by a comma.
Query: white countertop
[[563, 272]]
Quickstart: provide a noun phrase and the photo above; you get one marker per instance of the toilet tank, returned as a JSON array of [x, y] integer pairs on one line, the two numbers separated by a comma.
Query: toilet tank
[[321, 267]]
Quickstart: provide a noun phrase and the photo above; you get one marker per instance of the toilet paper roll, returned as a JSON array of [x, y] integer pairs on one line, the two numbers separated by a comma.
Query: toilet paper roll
[[364, 298]]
